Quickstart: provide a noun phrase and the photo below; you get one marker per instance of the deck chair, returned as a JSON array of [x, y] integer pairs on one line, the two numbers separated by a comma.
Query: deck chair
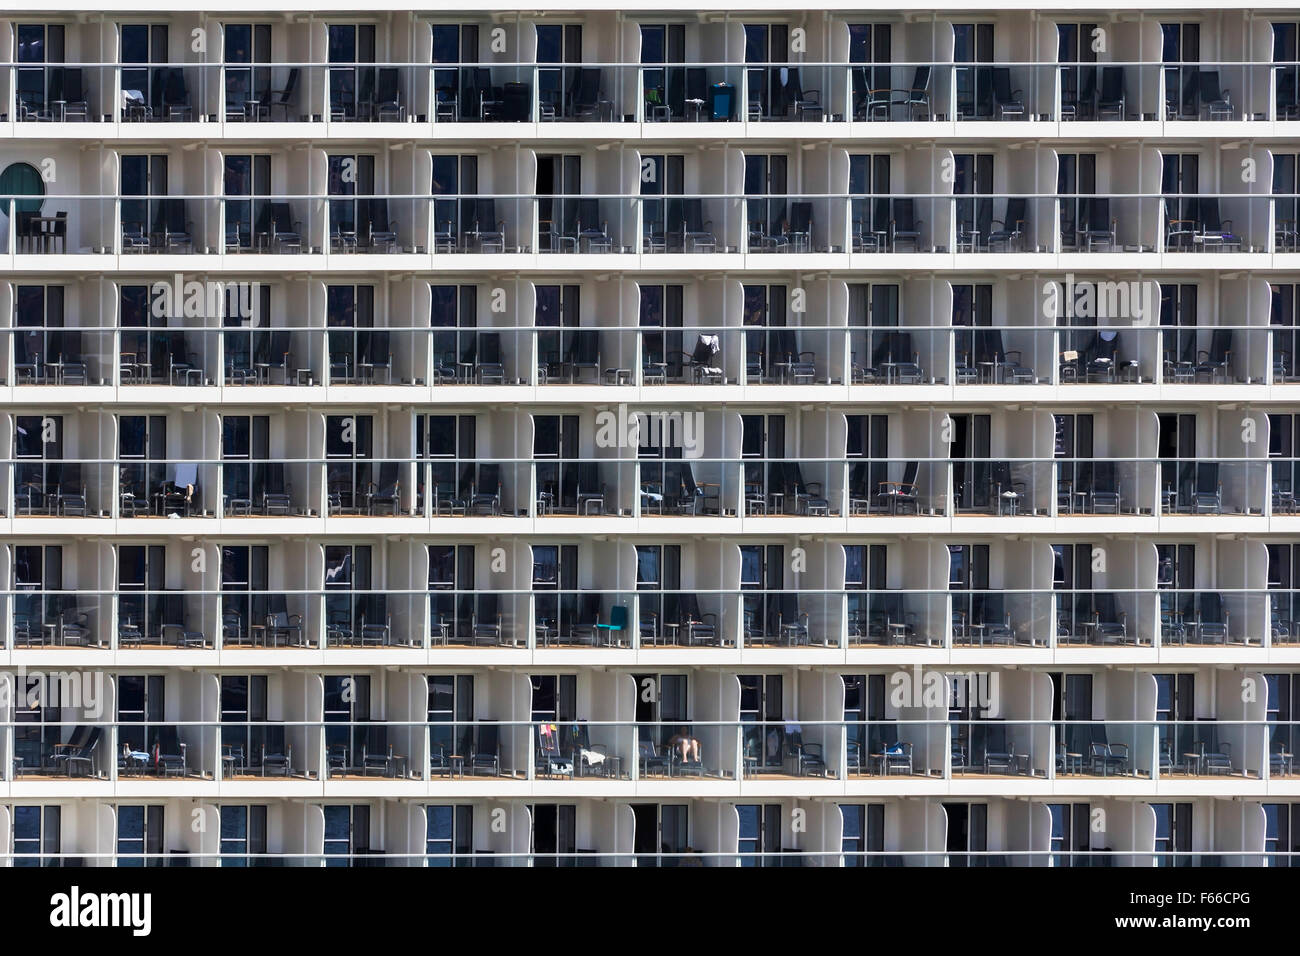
[[916, 98], [1216, 101], [386, 492], [1100, 229], [1215, 761], [809, 497], [171, 230], [1211, 230], [989, 348], [1111, 99], [799, 230], [809, 758], [277, 752], [175, 95], [377, 353], [903, 225], [697, 232], [1006, 101], [768, 226], [66, 83], [275, 491], [895, 355], [860, 495], [1104, 757], [388, 95], [790, 623], [1101, 358], [551, 762], [277, 224], [584, 94], [168, 752], [1012, 225], [282, 98], [237, 95], [276, 354], [589, 489], [1211, 618], [685, 496], [30, 90], [74, 626], [486, 620], [805, 103], [1109, 623], [1216, 363], [583, 353], [1207, 498], [1104, 489], [650, 756], [590, 228], [487, 490], [896, 495], [376, 751], [70, 499], [380, 233], [898, 757], [988, 611], [485, 228], [615, 629], [83, 756], [516, 102], [280, 623], [488, 364], [701, 361], [486, 757], [1288, 94], [583, 628], [1279, 759], [28, 349], [697, 626], [489, 230], [173, 619], [76, 742]]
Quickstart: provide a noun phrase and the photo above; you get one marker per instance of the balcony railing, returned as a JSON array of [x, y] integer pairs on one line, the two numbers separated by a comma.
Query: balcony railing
[[629, 483], [399, 355], [618, 224], [1153, 92], [1108, 856], [436, 755], [646, 618]]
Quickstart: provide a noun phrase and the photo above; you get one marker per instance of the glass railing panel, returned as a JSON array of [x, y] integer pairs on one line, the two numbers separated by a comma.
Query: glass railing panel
[[896, 617], [1104, 748], [1003, 487], [178, 92], [1110, 618], [354, 616], [1003, 617], [697, 93]]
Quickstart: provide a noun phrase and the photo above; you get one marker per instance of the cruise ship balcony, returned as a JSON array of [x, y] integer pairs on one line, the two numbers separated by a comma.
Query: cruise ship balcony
[[81, 90]]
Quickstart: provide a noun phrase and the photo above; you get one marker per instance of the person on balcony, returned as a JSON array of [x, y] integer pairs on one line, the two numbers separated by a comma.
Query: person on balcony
[[688, 746]]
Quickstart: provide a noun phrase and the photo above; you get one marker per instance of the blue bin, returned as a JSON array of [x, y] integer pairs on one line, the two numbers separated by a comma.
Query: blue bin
[[722, 101]]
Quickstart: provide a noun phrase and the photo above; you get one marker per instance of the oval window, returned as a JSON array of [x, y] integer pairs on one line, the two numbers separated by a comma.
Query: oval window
[[21, 179]]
